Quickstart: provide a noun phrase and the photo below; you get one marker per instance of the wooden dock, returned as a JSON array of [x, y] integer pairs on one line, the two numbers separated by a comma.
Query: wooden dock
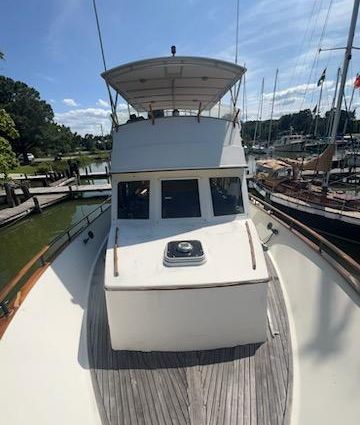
[[56, 190], [40, 177], [10, 215]]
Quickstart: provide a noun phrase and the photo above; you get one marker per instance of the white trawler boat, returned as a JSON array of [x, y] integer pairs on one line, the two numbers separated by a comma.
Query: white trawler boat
[[185, 303]]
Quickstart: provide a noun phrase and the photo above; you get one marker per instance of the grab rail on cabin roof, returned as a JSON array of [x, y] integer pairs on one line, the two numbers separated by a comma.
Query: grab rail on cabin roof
[[43, 258], [342, 262]]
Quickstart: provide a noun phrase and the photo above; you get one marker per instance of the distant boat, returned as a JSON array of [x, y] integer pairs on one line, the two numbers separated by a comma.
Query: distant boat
[[290, 143]]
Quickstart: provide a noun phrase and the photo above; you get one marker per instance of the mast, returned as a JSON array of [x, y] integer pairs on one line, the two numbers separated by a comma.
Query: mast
[[259, 114], [272, 107], [347, 58], [331, 117], [349, 108], [318, 109]]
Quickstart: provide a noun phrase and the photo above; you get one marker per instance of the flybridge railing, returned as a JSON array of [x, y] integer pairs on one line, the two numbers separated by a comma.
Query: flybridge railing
[[343, 263], [33, 268]]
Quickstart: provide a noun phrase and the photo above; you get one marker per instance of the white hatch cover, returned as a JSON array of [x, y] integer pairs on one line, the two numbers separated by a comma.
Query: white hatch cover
[[176, 82]]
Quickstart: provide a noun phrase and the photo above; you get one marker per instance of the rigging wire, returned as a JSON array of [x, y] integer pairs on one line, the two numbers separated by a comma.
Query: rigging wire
[[237, 32], [236, 89], [301, 47], [113, 107], [317, 53]]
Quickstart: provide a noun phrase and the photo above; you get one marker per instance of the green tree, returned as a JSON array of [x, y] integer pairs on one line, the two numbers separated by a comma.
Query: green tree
[[8, 132], [28, 111], [54, 139]]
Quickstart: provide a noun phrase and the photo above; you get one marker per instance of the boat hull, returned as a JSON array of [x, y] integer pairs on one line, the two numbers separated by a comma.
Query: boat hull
[[318, 219]]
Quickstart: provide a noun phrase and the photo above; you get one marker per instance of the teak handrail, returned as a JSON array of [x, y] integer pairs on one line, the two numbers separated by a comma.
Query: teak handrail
[[21, 273], [45, 255], [339, 259], [253, 258], [116, 266]]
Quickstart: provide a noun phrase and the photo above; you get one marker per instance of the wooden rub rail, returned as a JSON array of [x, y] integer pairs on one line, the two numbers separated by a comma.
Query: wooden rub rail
[[342, 262], [40, 261]]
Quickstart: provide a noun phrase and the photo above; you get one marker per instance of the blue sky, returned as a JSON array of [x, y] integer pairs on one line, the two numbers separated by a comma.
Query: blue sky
[[52, 45]]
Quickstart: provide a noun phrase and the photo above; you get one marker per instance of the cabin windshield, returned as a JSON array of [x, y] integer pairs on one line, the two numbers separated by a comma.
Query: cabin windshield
[[180, 198], [133, 199], [226, 195]]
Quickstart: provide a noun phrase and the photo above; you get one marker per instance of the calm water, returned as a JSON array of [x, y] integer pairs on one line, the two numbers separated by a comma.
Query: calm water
[[21, 241]]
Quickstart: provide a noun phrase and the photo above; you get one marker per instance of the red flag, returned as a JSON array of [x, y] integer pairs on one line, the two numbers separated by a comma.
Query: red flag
[[357, 82]]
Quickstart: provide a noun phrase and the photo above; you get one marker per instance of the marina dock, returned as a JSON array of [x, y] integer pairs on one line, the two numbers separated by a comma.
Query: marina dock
[[45, 196], [9, 215]]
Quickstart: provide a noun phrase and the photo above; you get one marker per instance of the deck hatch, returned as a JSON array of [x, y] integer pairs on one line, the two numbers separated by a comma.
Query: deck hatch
[[184, 253]]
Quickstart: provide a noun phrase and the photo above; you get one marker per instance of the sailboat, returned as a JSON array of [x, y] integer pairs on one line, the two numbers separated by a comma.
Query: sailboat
[[331, 212]]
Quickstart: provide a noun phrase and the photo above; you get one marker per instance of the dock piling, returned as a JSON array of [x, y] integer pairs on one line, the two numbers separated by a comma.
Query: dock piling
[[37, 205]]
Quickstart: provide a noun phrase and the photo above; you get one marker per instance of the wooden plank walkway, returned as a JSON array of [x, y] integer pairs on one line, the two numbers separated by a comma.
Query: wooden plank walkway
[[63, 189], [82, 175], [244, 385], [9, 215]]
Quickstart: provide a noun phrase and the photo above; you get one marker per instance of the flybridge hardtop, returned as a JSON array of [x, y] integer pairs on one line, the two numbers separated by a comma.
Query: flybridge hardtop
[[175, 82]]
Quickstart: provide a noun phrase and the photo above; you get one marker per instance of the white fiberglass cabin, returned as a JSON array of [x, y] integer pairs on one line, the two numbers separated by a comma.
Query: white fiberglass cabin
[[188, 271], [183, 303]]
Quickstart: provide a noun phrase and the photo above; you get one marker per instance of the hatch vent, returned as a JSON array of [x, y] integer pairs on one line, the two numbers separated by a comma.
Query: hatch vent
[[184, 253]]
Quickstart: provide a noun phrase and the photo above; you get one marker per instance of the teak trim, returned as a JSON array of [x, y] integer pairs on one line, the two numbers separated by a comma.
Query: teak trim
[[116, 264], [199, 112], [253, 258], [20, 274]]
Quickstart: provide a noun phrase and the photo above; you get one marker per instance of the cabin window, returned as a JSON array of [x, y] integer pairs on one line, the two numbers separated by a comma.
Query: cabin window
[[180, 198], [226, 195], [133, 199]]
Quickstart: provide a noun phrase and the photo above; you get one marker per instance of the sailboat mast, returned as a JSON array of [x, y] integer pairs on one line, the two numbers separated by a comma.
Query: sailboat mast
[[272, 108], [349, 109], [347, 58], [318, 110], [331, 116], [259, 114]]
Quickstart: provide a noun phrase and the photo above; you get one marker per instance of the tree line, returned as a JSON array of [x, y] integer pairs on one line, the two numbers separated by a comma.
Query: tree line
[[303, 122], [33, 119]]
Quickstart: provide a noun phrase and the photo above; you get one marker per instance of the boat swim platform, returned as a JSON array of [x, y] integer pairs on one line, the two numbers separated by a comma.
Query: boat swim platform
[[247, 385]]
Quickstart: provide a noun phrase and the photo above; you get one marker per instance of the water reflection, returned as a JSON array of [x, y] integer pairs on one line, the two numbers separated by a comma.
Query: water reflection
[[21, 241]]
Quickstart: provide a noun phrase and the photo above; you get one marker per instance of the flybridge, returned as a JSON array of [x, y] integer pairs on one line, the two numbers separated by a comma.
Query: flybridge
[[179, 82]]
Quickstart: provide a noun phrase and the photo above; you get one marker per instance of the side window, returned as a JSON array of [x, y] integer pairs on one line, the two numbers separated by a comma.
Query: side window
[[226, 195], [180, 198], [133, 199]]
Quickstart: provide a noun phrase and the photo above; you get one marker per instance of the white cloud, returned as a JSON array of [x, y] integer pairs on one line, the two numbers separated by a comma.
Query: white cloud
[[87, 120], [102, 103], [69, 102]]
